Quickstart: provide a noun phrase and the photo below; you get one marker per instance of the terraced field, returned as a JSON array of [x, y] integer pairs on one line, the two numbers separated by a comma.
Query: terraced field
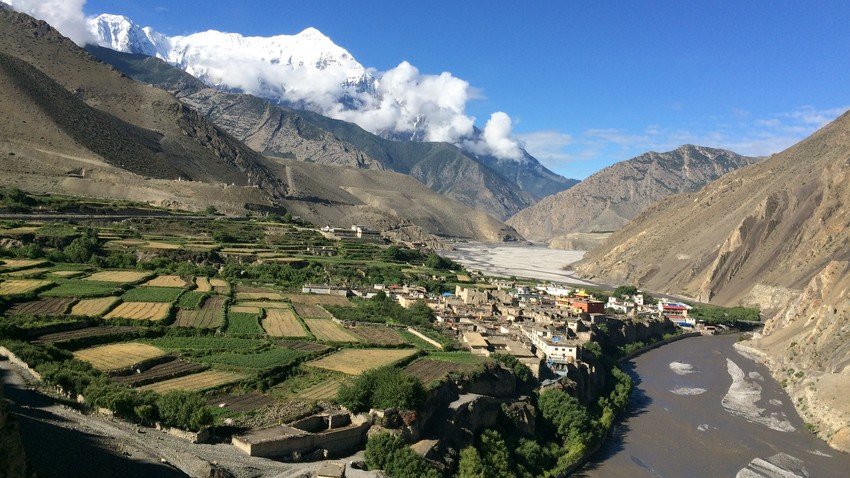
[[329, 331], [246, 309], [430, 370], [153, 311], [357, 361], [7, 265], [282, 323], [241, 403], [209, 316], [263, 360], [71, 336], [45, 306], [259, 296], [326, 390], [167, 281], [118, 356], [202, 284], [377, 335], [22, 286], [264, 305], [93, 307], [311, 311], [152, 294], [119, 277], [220, 286], [316, 299], [241, 323], [83, 288], [157, 373], [196, 382]]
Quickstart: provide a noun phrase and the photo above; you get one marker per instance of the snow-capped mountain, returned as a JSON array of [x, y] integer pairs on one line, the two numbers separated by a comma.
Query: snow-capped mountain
[[299, 69]]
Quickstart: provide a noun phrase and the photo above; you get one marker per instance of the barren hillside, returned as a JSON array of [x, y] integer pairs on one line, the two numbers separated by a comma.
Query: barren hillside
[[609, 199]]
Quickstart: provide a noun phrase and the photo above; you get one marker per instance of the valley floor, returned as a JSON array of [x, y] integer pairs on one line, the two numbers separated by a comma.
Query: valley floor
[[535, 262]]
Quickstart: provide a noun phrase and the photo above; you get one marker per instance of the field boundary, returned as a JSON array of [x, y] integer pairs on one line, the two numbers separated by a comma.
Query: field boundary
[[425, 338]]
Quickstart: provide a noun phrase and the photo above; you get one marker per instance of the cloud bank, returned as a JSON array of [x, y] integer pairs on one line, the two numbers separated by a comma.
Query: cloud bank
[[64, 15]]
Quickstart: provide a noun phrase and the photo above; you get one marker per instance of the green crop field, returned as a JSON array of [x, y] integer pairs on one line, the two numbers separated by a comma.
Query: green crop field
[[244, 324], [206, 343], [266, 359], [82, 288], [192, 300], [152, 294]]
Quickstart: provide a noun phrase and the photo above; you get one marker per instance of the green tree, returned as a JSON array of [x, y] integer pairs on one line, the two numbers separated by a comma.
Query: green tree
[[382, 388], [566, 414], [470, 465], [495, 455], [625, 290], [386, 451], [83, 248], [187, 410]]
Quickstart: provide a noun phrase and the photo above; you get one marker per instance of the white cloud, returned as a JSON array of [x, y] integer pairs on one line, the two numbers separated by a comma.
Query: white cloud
[[64, 15], [496, 138]]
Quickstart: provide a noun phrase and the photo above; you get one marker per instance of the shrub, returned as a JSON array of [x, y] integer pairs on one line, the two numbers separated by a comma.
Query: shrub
[[386, 451], [382, 388], [186, 410]]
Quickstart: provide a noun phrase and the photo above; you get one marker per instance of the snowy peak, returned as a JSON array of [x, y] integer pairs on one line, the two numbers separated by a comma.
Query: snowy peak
[[120, 33]]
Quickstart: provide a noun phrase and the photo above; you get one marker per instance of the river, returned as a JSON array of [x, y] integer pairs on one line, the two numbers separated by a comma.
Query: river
[[702, 409]]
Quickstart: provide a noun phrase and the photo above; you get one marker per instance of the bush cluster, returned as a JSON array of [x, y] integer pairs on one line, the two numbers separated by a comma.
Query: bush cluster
[[386, 451], [382, 388]]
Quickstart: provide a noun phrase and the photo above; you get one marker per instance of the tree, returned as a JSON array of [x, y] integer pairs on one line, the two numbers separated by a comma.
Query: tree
[[435, 261], [83, 248], [470, 464], [386, 451], [495, 455], [382, 388], [566, 414], [625, 290]]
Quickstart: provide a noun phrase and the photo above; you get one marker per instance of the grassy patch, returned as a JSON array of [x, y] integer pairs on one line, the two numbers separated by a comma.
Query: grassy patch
[[83, 288], [191, 300], [206, 343], [152, 294], [457, 357], [266, 359], [244, 324]]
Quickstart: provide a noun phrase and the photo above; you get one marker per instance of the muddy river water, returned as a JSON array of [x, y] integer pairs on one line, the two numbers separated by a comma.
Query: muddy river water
[[702, 409]]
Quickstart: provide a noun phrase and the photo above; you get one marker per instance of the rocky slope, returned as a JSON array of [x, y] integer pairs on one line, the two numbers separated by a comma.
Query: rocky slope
[[72, 124], [500, 187], [609, 199], [776, 234]]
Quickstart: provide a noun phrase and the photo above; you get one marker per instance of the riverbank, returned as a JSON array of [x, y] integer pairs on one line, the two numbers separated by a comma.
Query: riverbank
[[700, 408]]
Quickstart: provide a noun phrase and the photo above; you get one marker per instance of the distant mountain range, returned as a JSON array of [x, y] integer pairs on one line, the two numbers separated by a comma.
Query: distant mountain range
[[71, 124], [286, 125], [610, 198]]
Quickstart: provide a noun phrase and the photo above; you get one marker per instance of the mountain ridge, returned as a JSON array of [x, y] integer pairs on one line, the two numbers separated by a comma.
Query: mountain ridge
[[276, 130], [608, 199]]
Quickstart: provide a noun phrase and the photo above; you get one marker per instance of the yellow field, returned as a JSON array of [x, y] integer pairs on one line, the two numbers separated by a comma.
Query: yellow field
[[314, 299], [20, 263], [245, 309], [282, 323], [326, 390], [161, 245], [329, 331], [220, 286], [357, 361], [67, 274], [266, 305], [22, 286], [122, 277], [21, 230], [202, 284], [199, 247], [153, 311], [28, 272], [166, 281], [259, 296], [93, 307], [195, 382], [118, 356]]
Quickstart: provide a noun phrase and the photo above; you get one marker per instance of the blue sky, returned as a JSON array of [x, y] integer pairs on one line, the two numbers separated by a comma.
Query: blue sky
[[586, 83]]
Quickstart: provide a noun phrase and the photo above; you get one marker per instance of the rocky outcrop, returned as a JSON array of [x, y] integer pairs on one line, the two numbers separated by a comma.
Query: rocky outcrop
[[607, 200], [807, 348]]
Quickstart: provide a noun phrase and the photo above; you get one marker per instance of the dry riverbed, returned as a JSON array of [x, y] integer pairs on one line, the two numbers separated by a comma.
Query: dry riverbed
[[520, 260]]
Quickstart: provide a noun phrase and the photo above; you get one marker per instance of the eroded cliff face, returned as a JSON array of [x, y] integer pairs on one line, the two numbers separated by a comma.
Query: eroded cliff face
[[807, 348]]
